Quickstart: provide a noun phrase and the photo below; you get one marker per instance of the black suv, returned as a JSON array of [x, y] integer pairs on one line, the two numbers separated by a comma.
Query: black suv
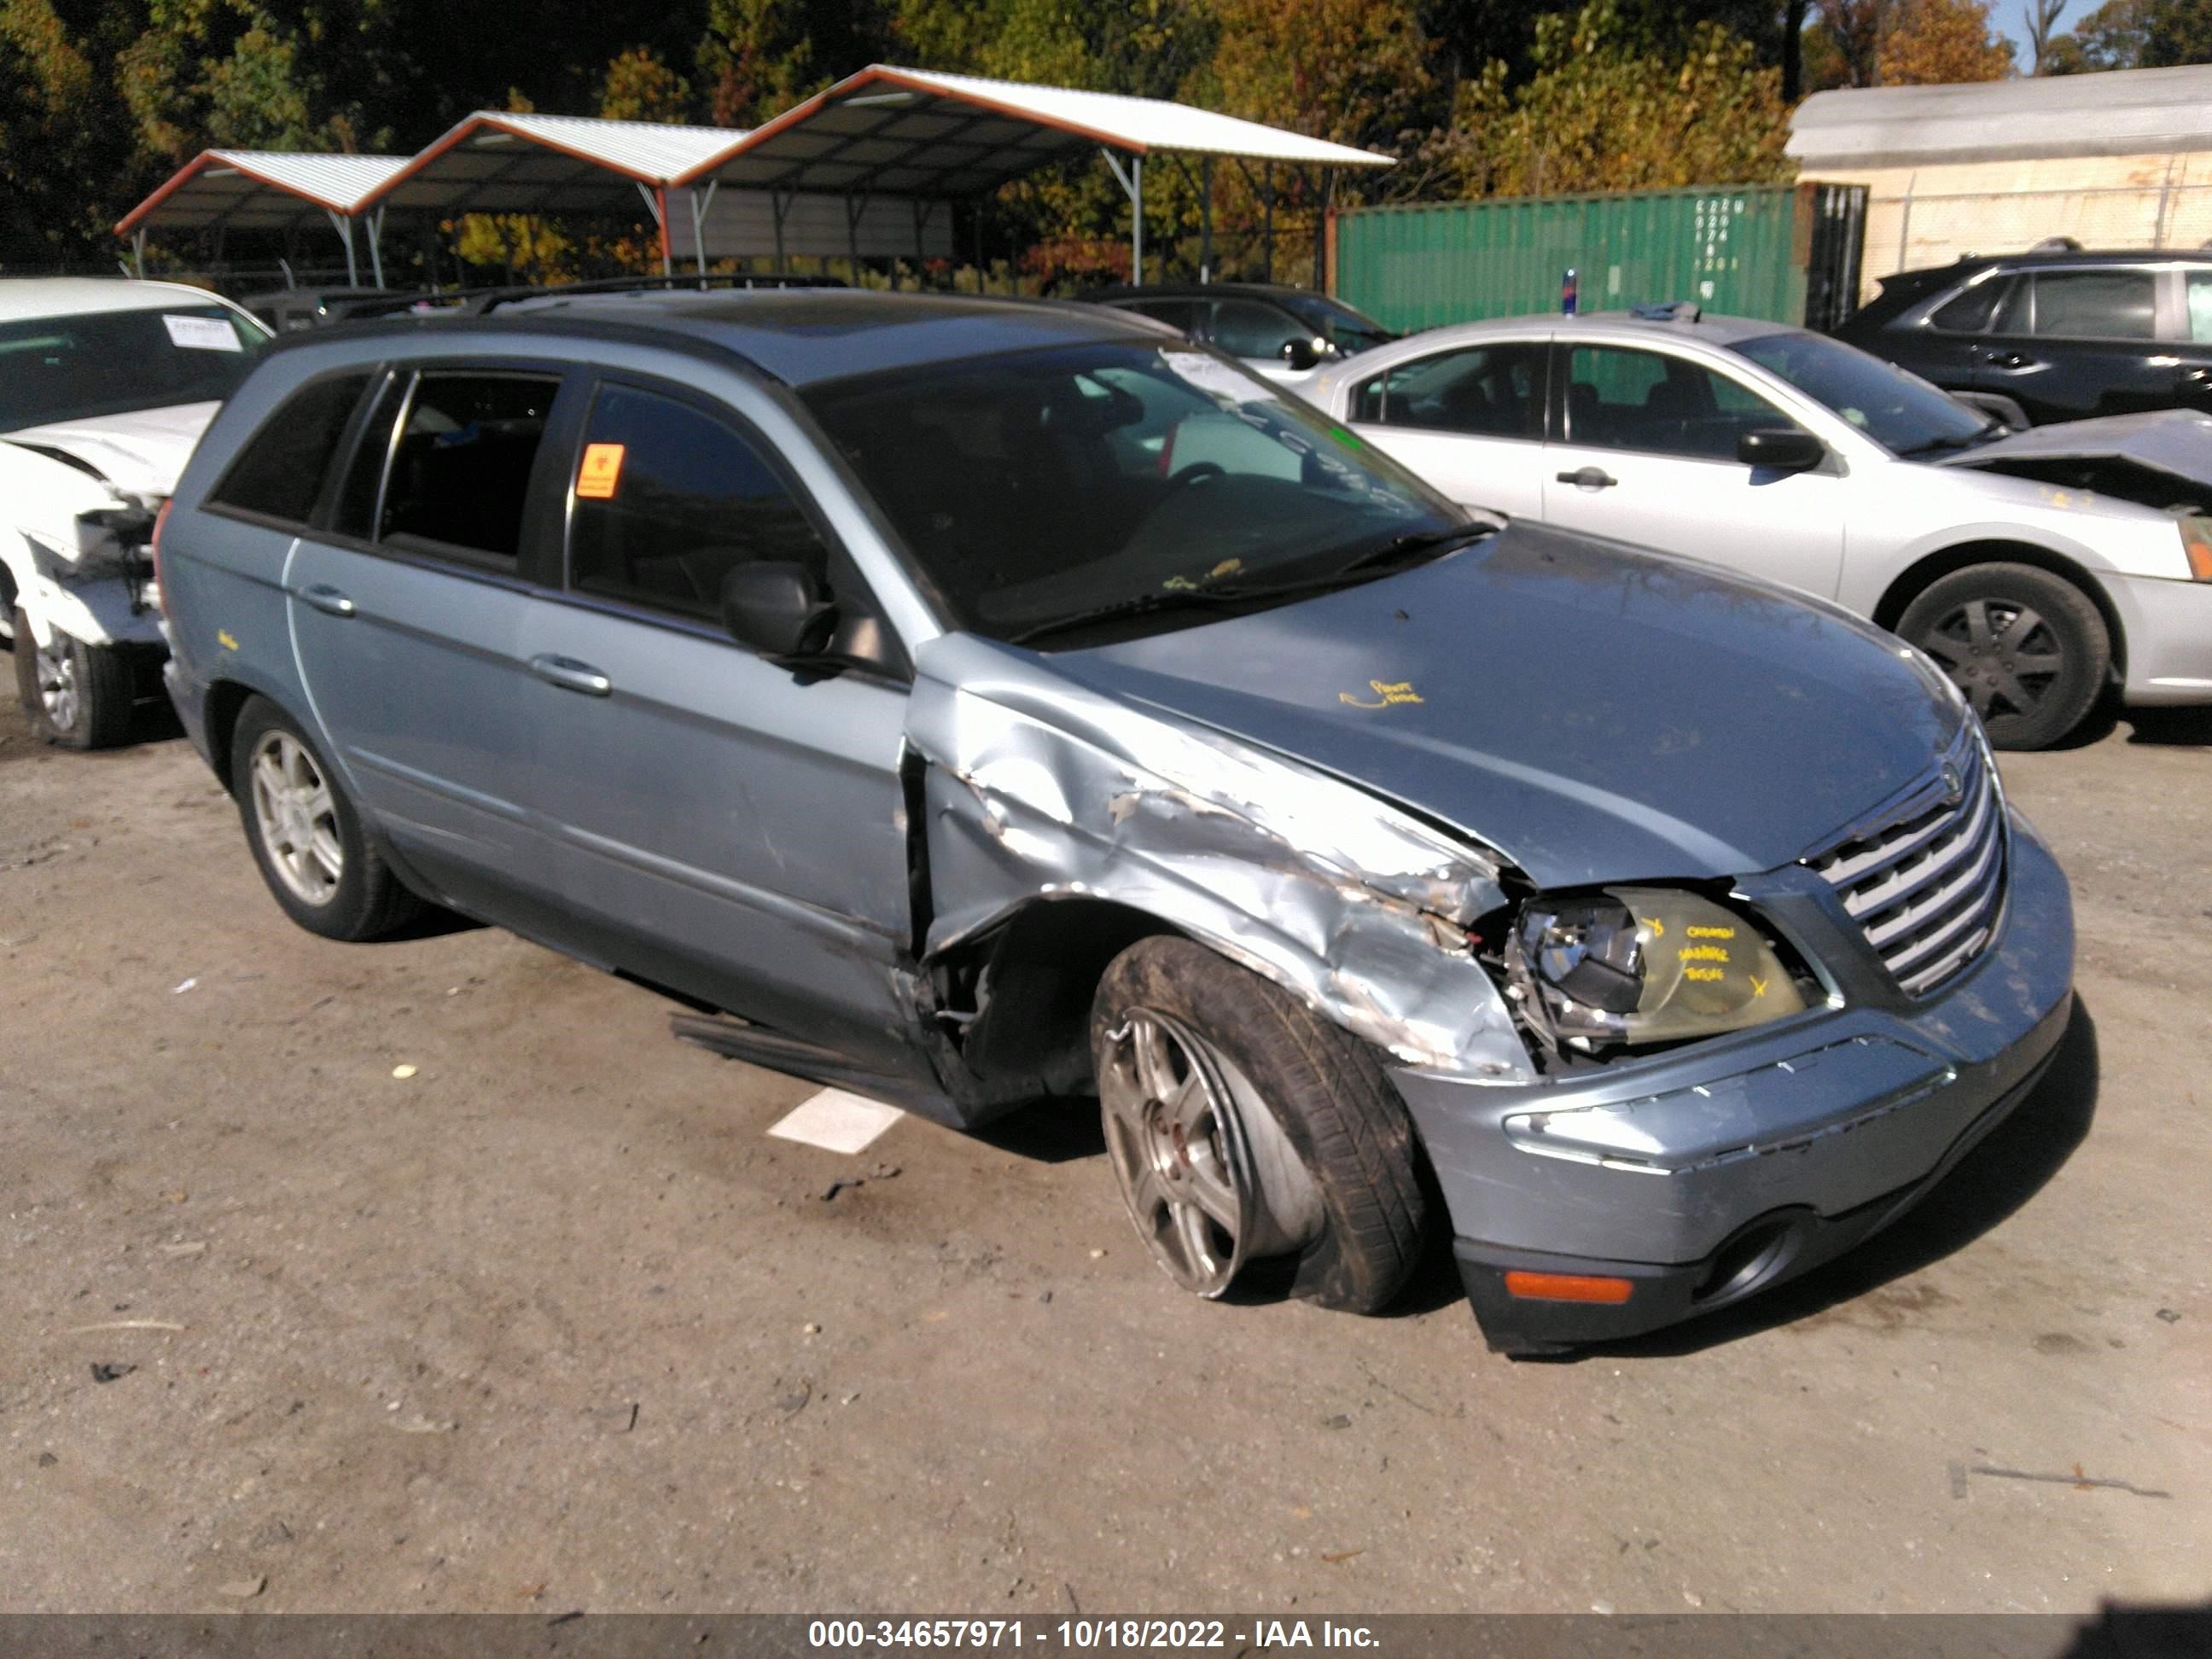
[[2051, 335], [1271, 327]]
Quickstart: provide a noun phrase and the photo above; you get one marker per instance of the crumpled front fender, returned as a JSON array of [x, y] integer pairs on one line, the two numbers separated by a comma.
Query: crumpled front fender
[[1036, 789]]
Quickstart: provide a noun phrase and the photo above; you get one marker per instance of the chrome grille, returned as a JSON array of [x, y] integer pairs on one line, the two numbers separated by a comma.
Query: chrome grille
[[1927, 881]]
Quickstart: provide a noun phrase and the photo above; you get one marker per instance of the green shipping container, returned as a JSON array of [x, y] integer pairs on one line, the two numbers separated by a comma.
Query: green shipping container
[[1748, 250]]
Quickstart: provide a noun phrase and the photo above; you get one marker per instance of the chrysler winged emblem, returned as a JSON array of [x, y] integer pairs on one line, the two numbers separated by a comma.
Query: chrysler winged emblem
[[1954, 786]]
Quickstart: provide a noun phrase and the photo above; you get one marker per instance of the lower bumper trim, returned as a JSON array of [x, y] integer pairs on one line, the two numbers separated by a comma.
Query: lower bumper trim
[[1762, 1253]]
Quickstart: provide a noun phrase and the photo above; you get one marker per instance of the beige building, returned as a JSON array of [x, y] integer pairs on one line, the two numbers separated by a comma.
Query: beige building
[[2121, 159]]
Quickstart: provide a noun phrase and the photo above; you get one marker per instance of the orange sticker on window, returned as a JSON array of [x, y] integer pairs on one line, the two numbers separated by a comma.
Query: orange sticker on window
[[601, 470]]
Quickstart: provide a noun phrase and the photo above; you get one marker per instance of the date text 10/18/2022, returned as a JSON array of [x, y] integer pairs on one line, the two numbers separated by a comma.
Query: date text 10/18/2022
[[1087, 1635]]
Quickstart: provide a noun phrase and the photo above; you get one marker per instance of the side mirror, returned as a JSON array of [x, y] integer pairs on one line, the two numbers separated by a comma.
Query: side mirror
[[1781, 449], [779, 608], [1300, 354]]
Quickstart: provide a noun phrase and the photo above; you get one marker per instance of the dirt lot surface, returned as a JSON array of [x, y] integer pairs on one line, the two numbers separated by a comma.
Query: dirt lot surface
[[550, 1323]]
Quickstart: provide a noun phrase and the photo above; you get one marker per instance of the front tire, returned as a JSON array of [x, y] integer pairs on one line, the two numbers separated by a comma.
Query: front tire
[[1244, 1126], [2028, 649], [305, 834], [78, 696]]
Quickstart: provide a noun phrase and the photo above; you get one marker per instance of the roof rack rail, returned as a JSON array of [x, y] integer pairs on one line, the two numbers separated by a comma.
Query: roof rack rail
[[492, 299]]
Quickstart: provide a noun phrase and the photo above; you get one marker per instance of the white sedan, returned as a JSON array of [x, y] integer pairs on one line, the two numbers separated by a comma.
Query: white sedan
[[105, 387], [2037, 568]]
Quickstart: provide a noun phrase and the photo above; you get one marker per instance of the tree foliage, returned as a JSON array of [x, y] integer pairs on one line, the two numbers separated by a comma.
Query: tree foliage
[[1896, 43], [1613, 107], [100, 99]]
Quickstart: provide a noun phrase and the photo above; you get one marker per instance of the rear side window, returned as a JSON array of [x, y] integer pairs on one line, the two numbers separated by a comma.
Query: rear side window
[[1483, 392], [669, 500], [2096, 305], [1181, 315], [279, 473], [460, 471]]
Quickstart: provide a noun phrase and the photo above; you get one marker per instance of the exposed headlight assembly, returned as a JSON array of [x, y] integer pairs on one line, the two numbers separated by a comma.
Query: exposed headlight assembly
[[1635, 965]]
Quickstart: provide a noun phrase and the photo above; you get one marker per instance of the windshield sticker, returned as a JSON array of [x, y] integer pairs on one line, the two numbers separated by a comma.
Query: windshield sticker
[[601, 471], [201, 333], [1386, 693]]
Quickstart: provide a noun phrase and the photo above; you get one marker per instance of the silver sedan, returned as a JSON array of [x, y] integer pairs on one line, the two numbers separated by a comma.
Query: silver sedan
[[2037, 568]]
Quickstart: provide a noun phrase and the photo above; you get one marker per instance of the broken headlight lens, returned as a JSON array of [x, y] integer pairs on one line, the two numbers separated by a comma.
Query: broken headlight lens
[[1635, 965]]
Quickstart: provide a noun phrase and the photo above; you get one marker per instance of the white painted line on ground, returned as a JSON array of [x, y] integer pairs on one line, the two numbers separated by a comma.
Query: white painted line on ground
[[836, 1121]]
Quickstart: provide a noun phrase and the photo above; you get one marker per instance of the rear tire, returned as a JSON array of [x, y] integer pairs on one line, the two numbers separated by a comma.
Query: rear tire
[[78, 696], [2029, 649], [305, 834], [1242, 1126]]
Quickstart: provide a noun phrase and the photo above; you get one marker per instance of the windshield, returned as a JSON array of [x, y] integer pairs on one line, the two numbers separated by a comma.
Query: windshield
[[1042, 486], [103, 363], [1338, 323], [1899, 411]]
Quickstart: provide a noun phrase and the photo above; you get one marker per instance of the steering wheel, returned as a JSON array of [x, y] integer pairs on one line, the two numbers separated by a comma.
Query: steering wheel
[[1197, 472]]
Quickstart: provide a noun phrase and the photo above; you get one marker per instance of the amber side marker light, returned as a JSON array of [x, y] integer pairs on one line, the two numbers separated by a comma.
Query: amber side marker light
[[1566, 1287], [2198, 547]]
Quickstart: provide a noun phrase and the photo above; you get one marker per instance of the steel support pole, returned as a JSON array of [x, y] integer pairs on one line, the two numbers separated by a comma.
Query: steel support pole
[[854, 209], [1267, 243], [343, 225], [1132, 181], [920, 252], [699, 211], [1206, 220], [138, 249], [775, 201], [376, 245]]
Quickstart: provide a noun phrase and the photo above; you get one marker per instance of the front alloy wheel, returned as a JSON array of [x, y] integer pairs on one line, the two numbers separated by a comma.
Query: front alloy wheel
[[1208, 1176]]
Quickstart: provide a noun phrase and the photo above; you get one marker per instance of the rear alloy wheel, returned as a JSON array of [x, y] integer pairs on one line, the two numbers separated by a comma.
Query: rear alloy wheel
[[2029, 649], [306, 836], [78, 696], [1242, 1128]]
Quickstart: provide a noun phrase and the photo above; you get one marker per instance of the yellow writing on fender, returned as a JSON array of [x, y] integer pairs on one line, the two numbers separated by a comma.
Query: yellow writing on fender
[[225, 638], [601, 471], [1702, 953], [1709, 933], [1386, 693]]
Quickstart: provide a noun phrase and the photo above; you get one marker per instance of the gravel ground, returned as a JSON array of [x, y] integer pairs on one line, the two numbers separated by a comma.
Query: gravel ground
[[550, 1323]]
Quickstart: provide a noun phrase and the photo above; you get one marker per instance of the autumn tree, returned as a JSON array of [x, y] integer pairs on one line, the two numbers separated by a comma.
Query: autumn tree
[[640, 86], [1611, 108], [1940, 42]]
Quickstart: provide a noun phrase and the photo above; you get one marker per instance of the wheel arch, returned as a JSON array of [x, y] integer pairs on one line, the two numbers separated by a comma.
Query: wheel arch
[[1019, 994], [1932, 567]]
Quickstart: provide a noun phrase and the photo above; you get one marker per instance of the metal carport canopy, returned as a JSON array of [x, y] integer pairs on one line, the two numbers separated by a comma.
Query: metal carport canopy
[[500, 162], [268, 190], [887, 132]]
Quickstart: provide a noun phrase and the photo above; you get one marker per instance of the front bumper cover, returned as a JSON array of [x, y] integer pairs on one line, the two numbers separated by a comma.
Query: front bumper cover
[[1707, 1173]]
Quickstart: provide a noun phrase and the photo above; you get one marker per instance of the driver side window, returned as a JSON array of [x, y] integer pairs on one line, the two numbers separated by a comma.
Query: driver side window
[[1660, 405], [668, 500]]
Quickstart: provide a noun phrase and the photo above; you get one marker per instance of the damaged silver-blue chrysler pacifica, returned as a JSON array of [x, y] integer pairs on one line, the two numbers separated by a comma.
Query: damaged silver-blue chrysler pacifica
[[982, 702]]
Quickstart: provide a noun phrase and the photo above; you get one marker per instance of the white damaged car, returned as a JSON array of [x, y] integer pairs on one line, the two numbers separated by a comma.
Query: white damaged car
[[105, 387]]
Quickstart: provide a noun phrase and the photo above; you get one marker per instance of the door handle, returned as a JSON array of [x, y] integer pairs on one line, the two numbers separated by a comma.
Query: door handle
[[1589, 477], [571, 676], [2010, 359], [325, 597]]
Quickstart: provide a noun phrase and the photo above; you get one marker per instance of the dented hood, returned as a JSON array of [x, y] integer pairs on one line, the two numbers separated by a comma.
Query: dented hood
[[139, 452], [2175, 442], [1593, 713]]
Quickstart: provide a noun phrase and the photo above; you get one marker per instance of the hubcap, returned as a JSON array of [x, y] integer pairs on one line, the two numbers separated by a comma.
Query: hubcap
[[297, 817], [2003, 655], [1208, 1175], [58, 689]]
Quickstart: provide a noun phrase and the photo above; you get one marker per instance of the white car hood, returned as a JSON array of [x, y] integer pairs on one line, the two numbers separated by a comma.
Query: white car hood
[[139, 452], [2175, 444]]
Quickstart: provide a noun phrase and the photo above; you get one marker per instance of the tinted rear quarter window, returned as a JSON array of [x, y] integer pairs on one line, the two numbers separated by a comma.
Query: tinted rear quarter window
[[279, 473], [1970, 312], [1253, 328]]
